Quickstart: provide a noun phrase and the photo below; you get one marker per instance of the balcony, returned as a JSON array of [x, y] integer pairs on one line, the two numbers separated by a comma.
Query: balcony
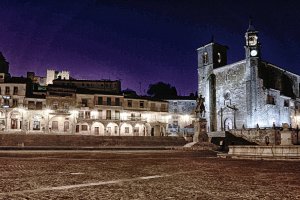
[[107, 103], [136, 119]]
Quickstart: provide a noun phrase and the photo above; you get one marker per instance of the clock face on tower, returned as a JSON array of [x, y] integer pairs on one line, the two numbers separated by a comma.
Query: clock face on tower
[[253, 52], [252, 40]]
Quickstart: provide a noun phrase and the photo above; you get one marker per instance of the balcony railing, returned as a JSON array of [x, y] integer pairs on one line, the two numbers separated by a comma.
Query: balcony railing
[[107, 103]]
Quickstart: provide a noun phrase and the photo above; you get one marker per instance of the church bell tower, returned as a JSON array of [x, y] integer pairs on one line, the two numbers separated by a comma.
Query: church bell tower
[[253, 55], [210, 57]]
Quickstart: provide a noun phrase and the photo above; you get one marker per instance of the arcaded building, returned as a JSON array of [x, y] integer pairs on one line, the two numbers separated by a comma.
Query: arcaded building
[[249, 93]]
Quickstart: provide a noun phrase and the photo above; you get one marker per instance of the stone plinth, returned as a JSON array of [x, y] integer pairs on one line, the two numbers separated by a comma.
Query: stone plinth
[[248, 151], [200, 134], [286, 135]]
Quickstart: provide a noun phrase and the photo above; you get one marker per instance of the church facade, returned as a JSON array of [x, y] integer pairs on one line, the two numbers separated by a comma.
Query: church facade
[[246, 94]]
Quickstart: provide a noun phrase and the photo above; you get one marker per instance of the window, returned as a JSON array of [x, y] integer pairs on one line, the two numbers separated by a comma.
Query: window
[[141, 104], [15, 102], [286, 103], [163, 107], [108, 114], [87, 114], [117, 101], [36, 125], [15, 90], [100, 100], [14, 124], [66, 126], [31, 105], [39, 105], [219, 58], [100, 114], [126, 129], [152, 107], [270, 100], [55, 125], [7, 90], [84, 102], [116, 129], [81, 114], [117, 114], [77, 128], [205, 58], [129, 103], [108, 101], [66, 105], [55, 105], [84, 127]]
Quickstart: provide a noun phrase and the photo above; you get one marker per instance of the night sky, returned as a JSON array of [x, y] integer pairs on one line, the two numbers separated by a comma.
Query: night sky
[[141, 42]]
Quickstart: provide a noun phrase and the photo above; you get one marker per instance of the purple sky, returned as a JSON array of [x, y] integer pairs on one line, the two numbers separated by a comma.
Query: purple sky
[[141, 41]]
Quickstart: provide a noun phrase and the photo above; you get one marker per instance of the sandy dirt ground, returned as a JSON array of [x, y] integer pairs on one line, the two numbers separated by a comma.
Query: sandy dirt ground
[[143, 175]]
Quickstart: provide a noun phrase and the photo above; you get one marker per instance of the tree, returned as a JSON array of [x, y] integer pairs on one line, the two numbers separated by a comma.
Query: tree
[[162, 90]]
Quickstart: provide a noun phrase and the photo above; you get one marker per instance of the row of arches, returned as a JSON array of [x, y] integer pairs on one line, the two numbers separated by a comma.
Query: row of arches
[[37, 123]]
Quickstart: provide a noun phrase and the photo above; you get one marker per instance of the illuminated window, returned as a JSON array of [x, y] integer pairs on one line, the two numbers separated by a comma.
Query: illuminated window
[[219, 58], [117, 114]]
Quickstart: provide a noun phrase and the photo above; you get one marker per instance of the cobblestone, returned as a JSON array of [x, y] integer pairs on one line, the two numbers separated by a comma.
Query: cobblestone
[[144, 175]]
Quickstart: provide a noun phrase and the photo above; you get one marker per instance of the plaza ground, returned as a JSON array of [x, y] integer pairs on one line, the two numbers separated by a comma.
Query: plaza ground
[[143, 174]]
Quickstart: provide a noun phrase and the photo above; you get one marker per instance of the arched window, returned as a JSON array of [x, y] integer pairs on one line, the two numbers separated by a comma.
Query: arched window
[[219, 57], [205, 58]]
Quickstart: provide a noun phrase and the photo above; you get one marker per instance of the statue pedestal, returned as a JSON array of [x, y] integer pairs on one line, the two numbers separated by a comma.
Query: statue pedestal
[[286, 135], [200, 130]]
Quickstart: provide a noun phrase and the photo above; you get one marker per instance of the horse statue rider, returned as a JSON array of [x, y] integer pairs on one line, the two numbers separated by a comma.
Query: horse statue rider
[[200, 108]]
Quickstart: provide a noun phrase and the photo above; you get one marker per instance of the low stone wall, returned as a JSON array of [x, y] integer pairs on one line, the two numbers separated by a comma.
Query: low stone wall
[[256, 135], [292, 151], [87, 140]]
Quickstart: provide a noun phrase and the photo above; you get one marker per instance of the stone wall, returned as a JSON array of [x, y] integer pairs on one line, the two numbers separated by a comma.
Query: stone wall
[[231, 90], [265, 151], [86, 141]]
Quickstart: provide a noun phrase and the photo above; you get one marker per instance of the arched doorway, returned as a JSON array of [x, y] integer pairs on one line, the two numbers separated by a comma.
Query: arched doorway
[[228, 124], [112, 129], [98, 128], [126, 129]]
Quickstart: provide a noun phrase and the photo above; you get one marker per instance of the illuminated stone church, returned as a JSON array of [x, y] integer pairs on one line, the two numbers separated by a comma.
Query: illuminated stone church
[[249, 93]]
